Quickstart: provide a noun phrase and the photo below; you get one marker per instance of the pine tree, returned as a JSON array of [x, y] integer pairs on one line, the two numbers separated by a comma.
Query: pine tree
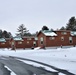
[[45, 28], [22, 30], [62, 28], [71, 24], [0, 33]]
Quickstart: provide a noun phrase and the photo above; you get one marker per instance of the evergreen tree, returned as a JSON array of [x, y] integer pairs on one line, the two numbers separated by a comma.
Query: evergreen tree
[[10, 35], [51, 29], [62, 28], [22, 30], [5, 34], [45, 28], [27, 34], [71, 24], [0, 33]]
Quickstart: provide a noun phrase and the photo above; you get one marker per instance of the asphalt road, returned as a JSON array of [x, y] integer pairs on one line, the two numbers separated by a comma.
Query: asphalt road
[[3, 70], [21, 68], [50, 66]]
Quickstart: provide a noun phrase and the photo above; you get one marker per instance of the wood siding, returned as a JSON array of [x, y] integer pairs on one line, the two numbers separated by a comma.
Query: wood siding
[[48, 41], [57, 41]]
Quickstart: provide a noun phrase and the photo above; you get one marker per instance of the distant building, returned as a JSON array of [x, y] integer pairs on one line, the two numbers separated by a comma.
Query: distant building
[[44, 38]]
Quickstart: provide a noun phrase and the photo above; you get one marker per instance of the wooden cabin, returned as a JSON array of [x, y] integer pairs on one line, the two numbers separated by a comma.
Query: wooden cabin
[[44, 38], [4, 43], [56, 38], [25, 42]]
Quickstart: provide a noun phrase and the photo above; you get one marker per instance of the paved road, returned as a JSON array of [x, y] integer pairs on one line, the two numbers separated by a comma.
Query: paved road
[[3, 70], [21, 68], [53, 67]]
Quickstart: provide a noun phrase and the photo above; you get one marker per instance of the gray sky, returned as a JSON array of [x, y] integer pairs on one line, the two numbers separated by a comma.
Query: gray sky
[[35, 13]]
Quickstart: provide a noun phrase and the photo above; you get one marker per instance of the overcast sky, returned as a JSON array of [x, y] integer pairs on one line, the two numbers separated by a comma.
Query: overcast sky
[[34, 14]]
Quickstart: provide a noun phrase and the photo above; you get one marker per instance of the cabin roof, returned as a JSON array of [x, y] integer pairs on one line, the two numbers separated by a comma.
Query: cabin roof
[[18, 39], [73, 33], [49, 33], [2, 40]]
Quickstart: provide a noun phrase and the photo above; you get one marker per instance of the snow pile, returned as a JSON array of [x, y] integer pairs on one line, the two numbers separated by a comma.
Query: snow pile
[[37, 48]]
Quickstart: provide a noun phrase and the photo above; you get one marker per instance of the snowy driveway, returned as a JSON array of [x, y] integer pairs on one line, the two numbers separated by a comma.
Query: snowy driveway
[[21, 68]]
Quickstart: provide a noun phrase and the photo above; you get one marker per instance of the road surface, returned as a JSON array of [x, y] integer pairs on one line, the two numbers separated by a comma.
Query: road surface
[[21, 68]]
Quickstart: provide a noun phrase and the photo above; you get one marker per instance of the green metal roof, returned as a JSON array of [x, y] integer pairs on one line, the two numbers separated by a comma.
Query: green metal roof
[[73, 33], [2, 40], [18, 39], [49, 33]]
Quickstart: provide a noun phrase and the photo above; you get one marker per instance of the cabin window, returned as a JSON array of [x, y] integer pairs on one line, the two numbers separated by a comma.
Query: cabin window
[[19, 42], [12, 42], [63, 33], [70, 40], [62, 38], [28, 38], [52, 38], [34, 43], [27, 42], [2, 43], [41, 40], [36, 38]]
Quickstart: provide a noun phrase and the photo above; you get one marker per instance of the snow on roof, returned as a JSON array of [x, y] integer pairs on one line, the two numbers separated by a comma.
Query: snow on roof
[[18, 39], [73, 33], [2, 40], [49, 33]]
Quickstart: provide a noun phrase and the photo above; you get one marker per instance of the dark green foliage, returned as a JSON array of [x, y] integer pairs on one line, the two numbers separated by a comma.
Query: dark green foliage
[[51, 29], [62, 28], [0, 33], [27, 34], [5, 34], [45, 28], [71, 24], [22, 31]]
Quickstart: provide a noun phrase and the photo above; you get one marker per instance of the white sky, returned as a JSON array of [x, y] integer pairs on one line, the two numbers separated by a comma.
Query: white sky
[[35, 13]]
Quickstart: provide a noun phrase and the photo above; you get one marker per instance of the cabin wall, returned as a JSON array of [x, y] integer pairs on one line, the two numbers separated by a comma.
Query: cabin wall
[[44, 40], [47, 41], [57, 41]]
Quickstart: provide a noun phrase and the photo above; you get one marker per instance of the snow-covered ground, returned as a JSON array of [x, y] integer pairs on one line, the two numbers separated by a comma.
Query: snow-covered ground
[[60, 58]]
